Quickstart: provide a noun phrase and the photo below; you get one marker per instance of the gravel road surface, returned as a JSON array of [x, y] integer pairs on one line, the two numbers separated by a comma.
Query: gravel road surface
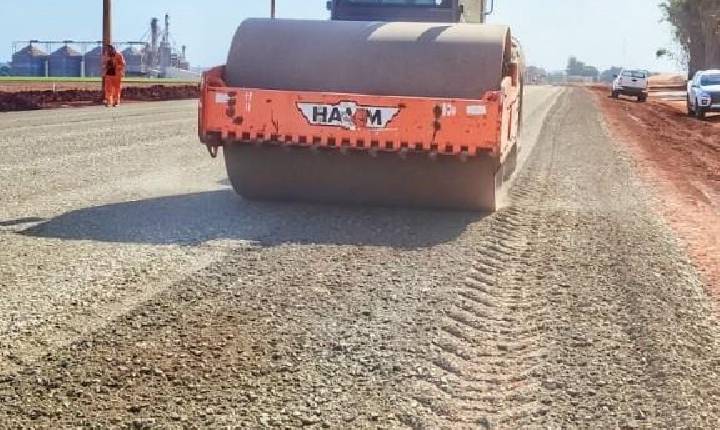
[[138, 292], [679, 157]]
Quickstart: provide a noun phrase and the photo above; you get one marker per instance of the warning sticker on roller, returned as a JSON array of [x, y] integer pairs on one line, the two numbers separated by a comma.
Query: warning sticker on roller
[[476, 110], [348, 115]]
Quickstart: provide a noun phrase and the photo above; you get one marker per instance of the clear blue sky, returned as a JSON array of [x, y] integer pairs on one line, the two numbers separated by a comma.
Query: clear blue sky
[[601, 33]]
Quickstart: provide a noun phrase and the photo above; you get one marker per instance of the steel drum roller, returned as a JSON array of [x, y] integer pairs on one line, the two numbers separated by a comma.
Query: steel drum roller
[[375, 58]]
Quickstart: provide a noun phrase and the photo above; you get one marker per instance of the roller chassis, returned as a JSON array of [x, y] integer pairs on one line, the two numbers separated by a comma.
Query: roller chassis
[[411, 137], [440, 126]]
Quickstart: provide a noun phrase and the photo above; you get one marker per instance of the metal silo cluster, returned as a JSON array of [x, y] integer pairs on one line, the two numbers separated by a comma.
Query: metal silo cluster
[[35, 62], [93, 62], [155, 55]]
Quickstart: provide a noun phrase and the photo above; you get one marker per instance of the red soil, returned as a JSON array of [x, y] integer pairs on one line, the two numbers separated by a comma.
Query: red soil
[[680, 157], [34, 99], [23, 86]]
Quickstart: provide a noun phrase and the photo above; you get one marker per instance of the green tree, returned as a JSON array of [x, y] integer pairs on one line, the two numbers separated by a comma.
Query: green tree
[[697, 29], [574, 67], [590, 72], [534, 74], [579, 68], [609, 74]]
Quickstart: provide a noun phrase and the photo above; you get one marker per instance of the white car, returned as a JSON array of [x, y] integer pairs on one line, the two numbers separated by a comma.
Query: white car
[[632, 83], [703, 93]]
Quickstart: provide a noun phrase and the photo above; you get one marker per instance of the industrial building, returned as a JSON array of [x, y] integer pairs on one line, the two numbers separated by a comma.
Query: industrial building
[[154, 55]]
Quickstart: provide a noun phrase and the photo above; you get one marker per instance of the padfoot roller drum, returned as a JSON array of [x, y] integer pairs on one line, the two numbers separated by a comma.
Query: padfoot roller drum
[[397, 114]]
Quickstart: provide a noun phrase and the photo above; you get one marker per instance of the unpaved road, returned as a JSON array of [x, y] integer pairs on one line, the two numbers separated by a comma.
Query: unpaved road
[[138, 292], [679, 157]]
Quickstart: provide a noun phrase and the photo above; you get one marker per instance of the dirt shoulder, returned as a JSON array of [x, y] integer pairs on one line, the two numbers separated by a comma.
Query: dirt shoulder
[[47, 84], [680, 157], [14, 99]]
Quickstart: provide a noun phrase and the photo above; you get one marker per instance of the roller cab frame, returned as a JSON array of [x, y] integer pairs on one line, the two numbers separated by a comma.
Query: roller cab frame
[[408, 151], [444, 11]]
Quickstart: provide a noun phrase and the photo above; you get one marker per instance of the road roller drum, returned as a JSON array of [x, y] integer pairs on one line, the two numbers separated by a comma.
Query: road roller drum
[[398, 58]]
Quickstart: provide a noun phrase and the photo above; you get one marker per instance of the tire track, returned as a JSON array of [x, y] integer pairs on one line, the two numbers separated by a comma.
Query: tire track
[[487, 363], [491, 345]]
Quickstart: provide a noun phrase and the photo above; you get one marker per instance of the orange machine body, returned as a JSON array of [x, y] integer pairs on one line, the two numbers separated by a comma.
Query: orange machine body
[[359, 122]]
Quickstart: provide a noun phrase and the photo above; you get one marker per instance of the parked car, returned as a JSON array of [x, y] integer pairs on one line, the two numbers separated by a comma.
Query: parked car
[[703, 93], [633, 83]]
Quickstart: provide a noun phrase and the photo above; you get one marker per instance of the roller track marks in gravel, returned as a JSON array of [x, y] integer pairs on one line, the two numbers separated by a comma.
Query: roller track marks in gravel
[[491, 343], [490, 339]]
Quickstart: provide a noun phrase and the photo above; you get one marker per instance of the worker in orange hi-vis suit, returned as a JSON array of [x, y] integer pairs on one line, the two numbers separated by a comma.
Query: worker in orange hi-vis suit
[[113, 72]]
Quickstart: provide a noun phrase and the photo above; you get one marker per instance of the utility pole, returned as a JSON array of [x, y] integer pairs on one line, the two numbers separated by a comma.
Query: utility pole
[[107, 35], [272, 8]]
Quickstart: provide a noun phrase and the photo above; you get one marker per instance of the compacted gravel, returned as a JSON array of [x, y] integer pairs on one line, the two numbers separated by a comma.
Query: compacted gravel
[[139, 293]]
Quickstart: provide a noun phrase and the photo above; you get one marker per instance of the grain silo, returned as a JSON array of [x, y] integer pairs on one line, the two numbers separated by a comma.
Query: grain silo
[[29, 61], [65, 62], [93, 61], [134, 61]]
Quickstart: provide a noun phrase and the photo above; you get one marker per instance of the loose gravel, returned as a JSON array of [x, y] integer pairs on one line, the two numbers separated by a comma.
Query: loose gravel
[[139, 293]]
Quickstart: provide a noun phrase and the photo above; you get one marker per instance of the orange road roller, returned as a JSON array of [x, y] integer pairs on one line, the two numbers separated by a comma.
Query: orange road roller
[[386, 104]]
